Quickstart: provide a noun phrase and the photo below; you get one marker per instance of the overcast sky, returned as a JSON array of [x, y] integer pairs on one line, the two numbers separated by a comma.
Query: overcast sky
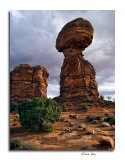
[[33, 37]]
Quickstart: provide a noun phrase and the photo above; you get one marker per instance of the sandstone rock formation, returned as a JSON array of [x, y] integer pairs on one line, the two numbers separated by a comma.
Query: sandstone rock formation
[[77, 74], [27, 82]]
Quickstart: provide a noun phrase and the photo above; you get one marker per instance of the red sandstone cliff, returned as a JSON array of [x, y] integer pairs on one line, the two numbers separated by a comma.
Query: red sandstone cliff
[[27, 82]]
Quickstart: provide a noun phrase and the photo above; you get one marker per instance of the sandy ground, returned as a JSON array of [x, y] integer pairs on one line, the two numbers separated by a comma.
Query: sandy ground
[[60, 139]]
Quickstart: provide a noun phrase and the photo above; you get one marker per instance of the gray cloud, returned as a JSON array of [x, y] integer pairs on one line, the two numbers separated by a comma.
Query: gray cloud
[[33, 36]]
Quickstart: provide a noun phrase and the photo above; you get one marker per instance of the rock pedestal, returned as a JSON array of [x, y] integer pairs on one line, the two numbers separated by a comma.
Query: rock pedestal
[[77, 76], [27, 82]]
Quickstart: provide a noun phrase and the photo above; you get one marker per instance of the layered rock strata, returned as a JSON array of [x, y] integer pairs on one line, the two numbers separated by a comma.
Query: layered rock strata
[[77, 74], [27, 82]]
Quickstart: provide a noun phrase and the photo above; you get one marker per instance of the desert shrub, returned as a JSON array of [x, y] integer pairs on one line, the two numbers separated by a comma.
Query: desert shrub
[[34, 112], [89, 104], [93, 100], [68, 104], [101, 97], [110, 119], [88, 100], [88, 116], [93, 117], [85, 95], [106, 114], [47, 128], [98, 117], [19, 144], [64, 108], [15, 144], [62, 119], [14, 107], [85, 106], [27, 146], [103, 105], [109, 102], [96, 105]]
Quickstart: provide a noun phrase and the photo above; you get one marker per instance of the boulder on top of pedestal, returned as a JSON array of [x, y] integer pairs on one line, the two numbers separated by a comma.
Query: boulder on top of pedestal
[[75, 34]]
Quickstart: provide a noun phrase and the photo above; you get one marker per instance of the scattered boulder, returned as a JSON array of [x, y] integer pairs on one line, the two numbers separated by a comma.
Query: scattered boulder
[[82, 126], [90, 131], [67, 120], [75, 116], [17, 115], [106, 140], [70, 115], [68, 130], [105, 124], [14, 124], [101, 132], [113, 126], [70, 124], [94, 122]]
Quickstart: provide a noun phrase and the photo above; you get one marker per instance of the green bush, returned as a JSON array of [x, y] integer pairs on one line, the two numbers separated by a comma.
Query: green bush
[[106, 114], [96, 105], [14, 107], [65, 108], [19, 144], [98, 117], [33, 113], [93, 100], [101, 97], [68, 104], [110, 119], [85, 106], [85, 95], [109, 102], [15, 144], [27, 146], [88, 116], [93, 117], [88, 100], [47, 128]]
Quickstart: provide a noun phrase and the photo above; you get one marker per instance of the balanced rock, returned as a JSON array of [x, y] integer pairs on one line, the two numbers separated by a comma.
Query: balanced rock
[[27, 82], [75, 34], [77, 74]]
